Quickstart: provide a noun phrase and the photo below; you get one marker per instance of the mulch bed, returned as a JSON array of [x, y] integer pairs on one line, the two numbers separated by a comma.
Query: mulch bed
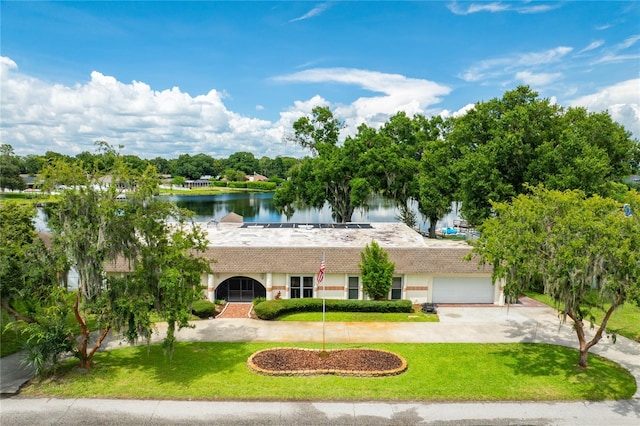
[[343, 362]]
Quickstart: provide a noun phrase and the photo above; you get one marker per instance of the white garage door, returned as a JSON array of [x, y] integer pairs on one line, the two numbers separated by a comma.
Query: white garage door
[[462, 290]]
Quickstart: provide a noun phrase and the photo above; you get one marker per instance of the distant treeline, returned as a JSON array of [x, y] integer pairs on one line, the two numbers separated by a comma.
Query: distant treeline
[[187, 166]]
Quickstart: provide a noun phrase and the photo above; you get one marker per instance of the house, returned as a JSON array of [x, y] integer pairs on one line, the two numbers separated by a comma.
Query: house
[[281, 260], [255, 177], [273, 260]]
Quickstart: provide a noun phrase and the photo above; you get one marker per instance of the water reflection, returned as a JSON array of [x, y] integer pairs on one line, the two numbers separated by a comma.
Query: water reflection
[[258, 207]]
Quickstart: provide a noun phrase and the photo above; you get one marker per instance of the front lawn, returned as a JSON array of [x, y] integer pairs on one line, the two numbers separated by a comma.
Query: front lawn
[[625, 321], [436, 372]]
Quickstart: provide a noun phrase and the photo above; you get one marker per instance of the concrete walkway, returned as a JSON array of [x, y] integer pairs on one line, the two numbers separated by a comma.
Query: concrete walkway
[[457, 324]]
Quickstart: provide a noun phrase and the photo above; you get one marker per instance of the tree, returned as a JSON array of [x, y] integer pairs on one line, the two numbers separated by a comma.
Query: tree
[[574, 245], [333, 175], [376, 271], [93, 226], [167, 266], [17, 234], [437, 178], [392, 159], [519, 140], [244, 161], [10, 170]]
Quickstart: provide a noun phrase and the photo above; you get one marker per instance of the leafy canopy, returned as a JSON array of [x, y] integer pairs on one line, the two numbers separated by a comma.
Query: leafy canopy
[[573, 244]]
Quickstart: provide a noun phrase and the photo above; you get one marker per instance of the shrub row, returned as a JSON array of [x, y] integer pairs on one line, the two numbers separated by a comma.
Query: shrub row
[[237, 184], [266, 186], [271, 309], [219, 183]]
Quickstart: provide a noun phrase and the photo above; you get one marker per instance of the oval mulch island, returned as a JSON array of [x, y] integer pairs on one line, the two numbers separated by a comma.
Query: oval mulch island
[[342, 362]]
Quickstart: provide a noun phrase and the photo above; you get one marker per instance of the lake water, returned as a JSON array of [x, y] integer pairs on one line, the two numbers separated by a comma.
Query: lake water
[[258, 207]]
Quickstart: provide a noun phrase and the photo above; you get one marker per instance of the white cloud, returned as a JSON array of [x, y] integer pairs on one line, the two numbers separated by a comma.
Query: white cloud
[[614, 54], [313, 12], [621, 100], [462, 111], [508, 65], [475, 8], [539, 79], [398, 93], [38, 116], [496, 7], [593, 45]]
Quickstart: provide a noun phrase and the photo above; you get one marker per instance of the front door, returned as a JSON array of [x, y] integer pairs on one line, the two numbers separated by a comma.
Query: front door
[[240, 289]]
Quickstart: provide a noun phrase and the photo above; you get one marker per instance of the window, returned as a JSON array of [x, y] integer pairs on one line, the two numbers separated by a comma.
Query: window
[[354, 287], [396, 288], [301, 287]]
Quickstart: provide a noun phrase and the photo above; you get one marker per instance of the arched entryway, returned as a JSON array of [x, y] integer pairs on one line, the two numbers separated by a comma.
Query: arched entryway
[[240, 289]]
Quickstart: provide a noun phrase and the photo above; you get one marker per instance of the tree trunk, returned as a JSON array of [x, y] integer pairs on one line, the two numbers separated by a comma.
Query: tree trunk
[[86, 356], [433, 222], [584, 358]]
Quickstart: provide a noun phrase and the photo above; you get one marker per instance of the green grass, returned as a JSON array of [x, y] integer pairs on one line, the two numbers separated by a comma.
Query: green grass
[[11, 340], [436, 372], [27, 197], [360, 317], [625, 321]]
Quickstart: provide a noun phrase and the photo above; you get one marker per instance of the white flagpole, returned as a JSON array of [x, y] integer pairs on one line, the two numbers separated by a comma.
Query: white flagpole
[[323, 308]]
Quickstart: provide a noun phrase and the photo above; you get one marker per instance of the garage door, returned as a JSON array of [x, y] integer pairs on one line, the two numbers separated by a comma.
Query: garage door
[[462, 290]]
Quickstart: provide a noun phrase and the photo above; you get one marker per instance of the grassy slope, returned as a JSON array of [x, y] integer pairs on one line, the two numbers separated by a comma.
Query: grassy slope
[[436, 372]]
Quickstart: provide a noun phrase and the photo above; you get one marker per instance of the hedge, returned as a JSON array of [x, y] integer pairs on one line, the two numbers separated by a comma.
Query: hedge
[[237, 184], [271, 309], [219, 183], [203, 309], [266, 186]]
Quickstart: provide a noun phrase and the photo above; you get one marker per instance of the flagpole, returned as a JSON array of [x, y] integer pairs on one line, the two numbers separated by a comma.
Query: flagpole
[[323, 308]]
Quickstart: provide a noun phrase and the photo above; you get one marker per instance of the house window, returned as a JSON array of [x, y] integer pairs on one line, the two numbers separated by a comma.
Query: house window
[[301, 287], [354, 287], [396, 288]]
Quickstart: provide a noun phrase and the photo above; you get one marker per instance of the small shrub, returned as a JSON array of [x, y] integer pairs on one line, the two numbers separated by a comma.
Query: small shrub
[[258, 300], [203, 309]]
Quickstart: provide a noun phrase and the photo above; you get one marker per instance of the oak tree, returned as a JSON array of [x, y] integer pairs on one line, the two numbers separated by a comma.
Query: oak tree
[[575, 245]]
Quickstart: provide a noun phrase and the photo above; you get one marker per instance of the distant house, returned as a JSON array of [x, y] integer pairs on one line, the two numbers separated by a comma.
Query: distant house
[[198, 183], [32, 182], [255, 177]]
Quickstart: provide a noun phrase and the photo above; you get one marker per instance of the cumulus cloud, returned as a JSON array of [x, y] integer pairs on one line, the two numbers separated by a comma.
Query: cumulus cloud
[[38, 116], [396, 93], [496, 7], [621, 100]]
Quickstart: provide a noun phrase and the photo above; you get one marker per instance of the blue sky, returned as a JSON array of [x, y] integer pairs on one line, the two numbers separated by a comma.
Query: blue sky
[[167, 78]]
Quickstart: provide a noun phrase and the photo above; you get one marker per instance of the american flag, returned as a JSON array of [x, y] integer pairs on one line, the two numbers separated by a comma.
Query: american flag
[[320, 277]]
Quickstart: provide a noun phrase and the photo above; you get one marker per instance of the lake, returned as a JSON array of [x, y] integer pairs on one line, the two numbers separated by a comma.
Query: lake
[[258, 207]]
